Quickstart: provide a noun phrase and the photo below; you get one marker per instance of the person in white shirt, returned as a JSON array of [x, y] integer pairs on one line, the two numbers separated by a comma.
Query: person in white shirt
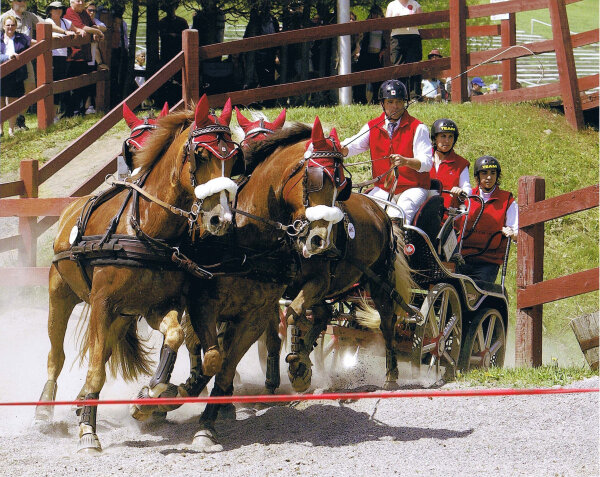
[[405, 43], [401, 141]]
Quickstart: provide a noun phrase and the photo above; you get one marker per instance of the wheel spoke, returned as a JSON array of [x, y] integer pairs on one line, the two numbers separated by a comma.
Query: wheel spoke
[[432, 363], [428, 348], [480, 338], [490, 331], [475, 361], [496, 347], [449, 359], [449, 327], [443, 309]]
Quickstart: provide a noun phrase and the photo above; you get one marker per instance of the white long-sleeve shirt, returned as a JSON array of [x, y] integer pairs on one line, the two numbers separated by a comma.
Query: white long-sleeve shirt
[[421, 144]]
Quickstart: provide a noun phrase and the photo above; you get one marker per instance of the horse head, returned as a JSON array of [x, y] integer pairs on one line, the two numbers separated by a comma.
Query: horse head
[[141, 129], [260, 129], [210, 144], [323, 183]]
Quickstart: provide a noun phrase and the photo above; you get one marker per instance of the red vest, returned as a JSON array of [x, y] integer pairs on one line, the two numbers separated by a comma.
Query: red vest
[[401, 143], [492, 220], [449, 174]]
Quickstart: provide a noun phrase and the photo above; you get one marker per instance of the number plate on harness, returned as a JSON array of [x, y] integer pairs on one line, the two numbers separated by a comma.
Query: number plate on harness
[[450, 245]]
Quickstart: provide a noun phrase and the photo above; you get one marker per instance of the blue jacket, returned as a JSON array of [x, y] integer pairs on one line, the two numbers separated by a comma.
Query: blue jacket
[[22, 42]]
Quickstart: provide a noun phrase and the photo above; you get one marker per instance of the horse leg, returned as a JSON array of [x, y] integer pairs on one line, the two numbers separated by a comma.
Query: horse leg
[[300, 365], [159, 385], [272, 378], [96, 376], [62, 301], [385, 307], [243, 335]]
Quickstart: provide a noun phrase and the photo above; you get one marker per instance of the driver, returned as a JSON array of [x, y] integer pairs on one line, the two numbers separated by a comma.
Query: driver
[[449, 168], [395, 139], [484, 247]]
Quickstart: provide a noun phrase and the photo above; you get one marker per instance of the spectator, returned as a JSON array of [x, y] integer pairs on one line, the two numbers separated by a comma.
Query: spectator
[[370, 56], [406, 46], [26, 22], [140, 67], [260, 65], [54, 15], [493, 88], [476, 85], [400, 152], [171, 31], [210, 23], [12, 86], [433, 89], [79, 57], [484, 248], [118, 54]]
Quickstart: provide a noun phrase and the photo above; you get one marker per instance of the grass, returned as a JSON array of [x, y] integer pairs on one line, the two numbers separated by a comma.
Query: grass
[[583, 16], [526, 138], [543, 377]]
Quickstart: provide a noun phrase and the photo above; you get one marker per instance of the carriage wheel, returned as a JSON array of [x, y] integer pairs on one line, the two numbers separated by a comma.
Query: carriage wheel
[[436, 343], [485, 341]]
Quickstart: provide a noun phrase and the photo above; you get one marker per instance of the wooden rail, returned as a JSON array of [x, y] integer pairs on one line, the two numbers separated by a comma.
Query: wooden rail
[[532, 290]]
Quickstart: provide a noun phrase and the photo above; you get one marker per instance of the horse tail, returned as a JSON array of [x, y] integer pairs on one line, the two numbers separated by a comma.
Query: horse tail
[[403, 282], [129, 354], [126, 353], [366, 315]]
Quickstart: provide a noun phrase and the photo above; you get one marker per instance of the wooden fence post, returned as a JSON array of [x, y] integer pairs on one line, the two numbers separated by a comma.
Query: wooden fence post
[[191, 70], [45, 106], [508, 33], [530, 270], [458, 49], [565, 60], [27, 225]]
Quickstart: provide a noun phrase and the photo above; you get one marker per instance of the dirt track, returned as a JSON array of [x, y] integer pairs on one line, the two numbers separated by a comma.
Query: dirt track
[[533, 435]]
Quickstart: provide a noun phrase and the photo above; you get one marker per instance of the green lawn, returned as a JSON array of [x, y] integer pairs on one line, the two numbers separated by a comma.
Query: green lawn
[[583, 16]]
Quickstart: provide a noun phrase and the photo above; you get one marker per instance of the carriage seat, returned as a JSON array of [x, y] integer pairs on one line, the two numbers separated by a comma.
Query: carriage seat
[[429, 216]]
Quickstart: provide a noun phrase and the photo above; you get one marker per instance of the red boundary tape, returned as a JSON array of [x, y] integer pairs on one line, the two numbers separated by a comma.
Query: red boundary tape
[[312, 397]]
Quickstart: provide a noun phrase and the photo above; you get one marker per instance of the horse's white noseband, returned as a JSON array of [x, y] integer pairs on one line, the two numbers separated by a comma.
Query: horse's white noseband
[[324, 212], [215, 186]]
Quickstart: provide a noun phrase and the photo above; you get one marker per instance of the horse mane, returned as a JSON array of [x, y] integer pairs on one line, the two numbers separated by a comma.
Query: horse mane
[[258, 151], [168, 128]]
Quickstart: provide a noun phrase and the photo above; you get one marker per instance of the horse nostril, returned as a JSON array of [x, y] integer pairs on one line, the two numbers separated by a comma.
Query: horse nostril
[[215, 221], [316, 242]]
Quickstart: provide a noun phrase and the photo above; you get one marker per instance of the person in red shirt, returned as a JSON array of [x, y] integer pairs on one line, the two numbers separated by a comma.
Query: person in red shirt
[[77, 61], [484, 247], [400, 149], [449, 168]]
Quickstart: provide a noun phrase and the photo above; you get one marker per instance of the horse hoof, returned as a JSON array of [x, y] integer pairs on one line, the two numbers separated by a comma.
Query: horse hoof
[[205, 441], [139, 413], [171, 392], [212, 362], [391, 386], [89, 444], [300, 377], [43, 414], [227, 411]]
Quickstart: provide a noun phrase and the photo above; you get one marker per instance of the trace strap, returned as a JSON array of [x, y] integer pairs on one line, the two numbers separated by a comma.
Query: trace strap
[[156, 200]]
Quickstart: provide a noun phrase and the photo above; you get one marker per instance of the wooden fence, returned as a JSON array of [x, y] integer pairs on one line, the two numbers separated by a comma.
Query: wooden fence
[[532, 290]]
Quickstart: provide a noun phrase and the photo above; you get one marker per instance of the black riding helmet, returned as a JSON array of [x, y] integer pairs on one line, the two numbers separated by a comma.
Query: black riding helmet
[[443, 125], [392, 89], [485, 163]]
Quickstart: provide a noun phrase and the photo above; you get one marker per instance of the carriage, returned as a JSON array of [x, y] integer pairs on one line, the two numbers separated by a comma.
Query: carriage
[[458, 323]]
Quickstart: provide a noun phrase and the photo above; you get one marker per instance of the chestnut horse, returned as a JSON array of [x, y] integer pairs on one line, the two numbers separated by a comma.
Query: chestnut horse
[[118, 253], [286, 208]]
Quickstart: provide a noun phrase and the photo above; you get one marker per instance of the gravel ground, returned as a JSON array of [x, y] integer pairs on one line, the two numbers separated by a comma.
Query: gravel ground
[[520, 435]]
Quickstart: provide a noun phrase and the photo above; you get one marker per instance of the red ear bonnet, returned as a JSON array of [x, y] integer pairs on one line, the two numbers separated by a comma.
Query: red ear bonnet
[[317, 138], [225, 117], [165, 111], [130, 118], [201, 113], [278, 123], [241, 119]]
